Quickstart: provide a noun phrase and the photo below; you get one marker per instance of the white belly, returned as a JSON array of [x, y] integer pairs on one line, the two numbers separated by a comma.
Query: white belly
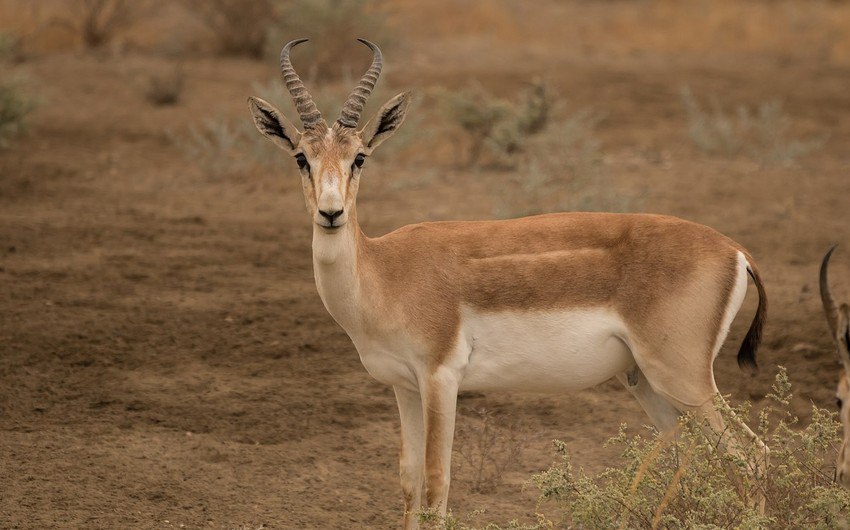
[[543, 351]]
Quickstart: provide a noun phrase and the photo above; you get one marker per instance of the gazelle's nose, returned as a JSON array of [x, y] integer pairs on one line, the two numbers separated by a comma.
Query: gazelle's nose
[[331, 216]]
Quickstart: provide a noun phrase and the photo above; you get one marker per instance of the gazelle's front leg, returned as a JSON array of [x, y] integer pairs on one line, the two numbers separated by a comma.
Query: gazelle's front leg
[[412, 454], [439, 401]]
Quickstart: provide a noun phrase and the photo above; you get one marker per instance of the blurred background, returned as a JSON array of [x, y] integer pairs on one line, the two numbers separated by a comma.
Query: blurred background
[[165, 360]]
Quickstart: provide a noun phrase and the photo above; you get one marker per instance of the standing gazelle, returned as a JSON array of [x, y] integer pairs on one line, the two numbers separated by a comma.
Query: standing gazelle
[[548, 303], [839, 324]]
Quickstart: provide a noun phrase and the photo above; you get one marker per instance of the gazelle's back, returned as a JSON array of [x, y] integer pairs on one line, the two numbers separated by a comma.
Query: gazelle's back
[[556, 260]]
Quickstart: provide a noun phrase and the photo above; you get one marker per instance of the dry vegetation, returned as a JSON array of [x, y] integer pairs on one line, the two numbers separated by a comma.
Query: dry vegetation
[[97, 22], [16, 99], [165, 359], [682, 481], [760, 133], [487, 445], [15, 106]]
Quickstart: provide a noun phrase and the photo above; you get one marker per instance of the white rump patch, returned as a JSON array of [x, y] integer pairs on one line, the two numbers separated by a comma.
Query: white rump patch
[[736, 299]]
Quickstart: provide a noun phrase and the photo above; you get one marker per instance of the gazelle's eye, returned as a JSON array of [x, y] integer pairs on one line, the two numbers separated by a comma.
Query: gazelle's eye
[[301, 160], [839, 403], [359, 159]]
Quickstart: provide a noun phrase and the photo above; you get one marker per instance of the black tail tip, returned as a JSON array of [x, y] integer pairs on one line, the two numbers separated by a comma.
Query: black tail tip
[[748, 364], [747, 356]]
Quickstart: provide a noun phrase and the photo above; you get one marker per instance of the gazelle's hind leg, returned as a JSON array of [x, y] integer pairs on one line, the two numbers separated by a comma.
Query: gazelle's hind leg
[[678, 364], [663, 415], [703, 400], [741, 442]]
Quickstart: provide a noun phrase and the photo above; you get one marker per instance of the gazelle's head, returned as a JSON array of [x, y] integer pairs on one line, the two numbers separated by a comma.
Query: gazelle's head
[[329, 158], [839, 325]]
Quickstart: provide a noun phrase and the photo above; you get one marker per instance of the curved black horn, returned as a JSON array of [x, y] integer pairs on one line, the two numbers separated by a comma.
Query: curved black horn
[[307, 110], [350, 114], [829, 306]]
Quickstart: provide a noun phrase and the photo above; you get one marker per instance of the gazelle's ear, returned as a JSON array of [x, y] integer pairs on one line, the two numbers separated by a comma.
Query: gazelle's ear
[[274, 125], [386, 121], [842, 336]]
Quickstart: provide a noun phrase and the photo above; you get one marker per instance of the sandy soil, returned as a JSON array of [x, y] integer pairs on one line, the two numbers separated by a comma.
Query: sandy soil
[[165, 360]]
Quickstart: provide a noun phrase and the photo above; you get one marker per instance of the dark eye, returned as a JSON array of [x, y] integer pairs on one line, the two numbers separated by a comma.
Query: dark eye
[[839, 403], [301, 160], [359, 159]]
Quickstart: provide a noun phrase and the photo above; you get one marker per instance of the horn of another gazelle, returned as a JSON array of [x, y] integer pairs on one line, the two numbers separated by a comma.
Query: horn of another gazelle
[[350, 114], [307, 110], [829, 306]]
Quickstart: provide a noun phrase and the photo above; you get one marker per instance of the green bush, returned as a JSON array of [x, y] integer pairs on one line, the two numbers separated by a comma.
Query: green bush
[[221, 147], [15, 107], [684, 482], [10, 46], [502, 127], [761, 134]]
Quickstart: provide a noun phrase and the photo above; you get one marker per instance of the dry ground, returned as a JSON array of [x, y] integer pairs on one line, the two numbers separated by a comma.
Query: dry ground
[[165, 360]]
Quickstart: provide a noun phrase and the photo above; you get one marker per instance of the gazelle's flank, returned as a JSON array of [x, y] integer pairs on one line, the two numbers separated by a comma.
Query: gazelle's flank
[[548, 303], [839, 324]]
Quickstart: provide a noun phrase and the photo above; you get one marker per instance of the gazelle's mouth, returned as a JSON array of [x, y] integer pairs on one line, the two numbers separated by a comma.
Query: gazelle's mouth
[[330, 229]]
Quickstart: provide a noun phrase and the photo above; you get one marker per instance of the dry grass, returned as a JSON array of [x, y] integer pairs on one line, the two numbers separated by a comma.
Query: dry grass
[[488, 446], [681, 480], [762, 133]]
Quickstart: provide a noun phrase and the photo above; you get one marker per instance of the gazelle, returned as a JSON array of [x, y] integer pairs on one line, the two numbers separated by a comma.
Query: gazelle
[[548, 303], [839, 324]]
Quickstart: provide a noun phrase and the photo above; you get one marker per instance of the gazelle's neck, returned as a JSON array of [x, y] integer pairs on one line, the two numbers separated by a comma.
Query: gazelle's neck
[[336, 270]]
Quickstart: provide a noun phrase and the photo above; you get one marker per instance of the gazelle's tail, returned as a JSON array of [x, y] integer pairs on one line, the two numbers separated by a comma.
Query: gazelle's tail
[[747, 353]]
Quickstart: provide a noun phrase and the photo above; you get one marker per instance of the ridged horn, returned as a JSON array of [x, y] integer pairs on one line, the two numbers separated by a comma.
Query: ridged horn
[[350, 114], [307, 110], [829, 306]]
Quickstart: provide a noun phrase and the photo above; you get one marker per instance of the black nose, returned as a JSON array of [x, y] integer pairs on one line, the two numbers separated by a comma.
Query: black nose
[[330, 216]]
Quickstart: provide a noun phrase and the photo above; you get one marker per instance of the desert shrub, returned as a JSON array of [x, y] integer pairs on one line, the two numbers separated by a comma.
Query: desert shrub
[[563, 169], [222, 147], [10, 46], [683, 481], [15, 107], [488, 446], [98, 21], [164, 88], [240, 27], [761, 133], [500, 126]]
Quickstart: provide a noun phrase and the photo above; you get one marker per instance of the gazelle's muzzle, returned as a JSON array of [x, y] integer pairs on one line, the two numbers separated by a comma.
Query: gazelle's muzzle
[[330, 202]]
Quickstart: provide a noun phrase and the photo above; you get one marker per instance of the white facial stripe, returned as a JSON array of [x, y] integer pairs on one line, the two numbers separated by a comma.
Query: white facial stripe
[[329, 190]]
